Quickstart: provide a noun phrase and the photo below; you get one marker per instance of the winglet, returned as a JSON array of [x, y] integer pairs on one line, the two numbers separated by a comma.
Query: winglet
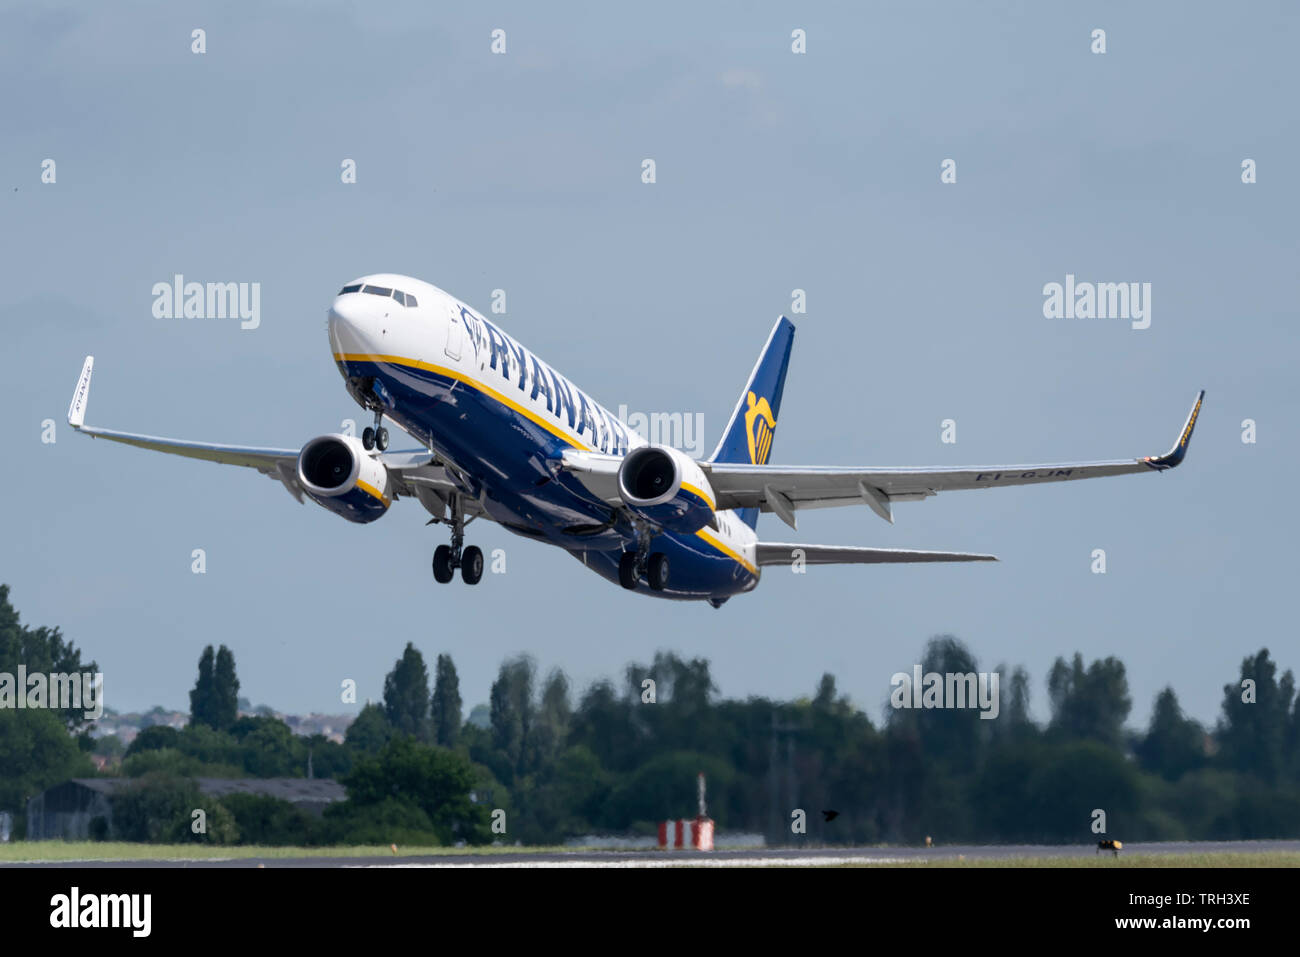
[[80, 398], [1176, 455]]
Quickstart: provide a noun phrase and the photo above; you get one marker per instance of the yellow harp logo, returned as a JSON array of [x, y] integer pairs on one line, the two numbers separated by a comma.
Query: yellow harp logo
[[759, 424]]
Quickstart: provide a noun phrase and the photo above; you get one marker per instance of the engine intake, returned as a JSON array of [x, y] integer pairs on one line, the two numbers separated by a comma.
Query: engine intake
[[666, 487], [337, 473]]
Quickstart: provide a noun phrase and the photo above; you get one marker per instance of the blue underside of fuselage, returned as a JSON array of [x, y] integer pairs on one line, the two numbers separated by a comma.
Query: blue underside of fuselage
[[515, 460]]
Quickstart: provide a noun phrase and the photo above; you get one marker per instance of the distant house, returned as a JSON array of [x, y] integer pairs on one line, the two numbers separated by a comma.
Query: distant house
[[82, 808], [126, 727]]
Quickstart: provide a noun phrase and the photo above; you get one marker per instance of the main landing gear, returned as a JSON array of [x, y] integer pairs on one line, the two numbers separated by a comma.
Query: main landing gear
[[653, 566], [377, 437], [447, 558]]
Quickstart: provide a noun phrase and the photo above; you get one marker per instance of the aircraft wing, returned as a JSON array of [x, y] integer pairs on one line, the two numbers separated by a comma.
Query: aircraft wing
[[410, 471], [785, 490], [279, 464], [597, 471], [787, 553]]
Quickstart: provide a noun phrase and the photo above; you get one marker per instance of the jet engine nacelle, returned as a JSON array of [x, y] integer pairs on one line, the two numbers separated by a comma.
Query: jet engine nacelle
[[667, 488], [337, 472]]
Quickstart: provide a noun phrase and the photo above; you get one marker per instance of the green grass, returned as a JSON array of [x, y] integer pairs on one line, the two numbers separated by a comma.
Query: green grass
[[122, 851], [1213, 859]]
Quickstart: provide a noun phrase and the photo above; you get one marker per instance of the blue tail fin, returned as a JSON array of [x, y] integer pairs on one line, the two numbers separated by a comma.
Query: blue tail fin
[[748, 435]]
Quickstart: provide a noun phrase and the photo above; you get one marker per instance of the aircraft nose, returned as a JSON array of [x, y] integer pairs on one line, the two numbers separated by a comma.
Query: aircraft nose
[[347, 324]]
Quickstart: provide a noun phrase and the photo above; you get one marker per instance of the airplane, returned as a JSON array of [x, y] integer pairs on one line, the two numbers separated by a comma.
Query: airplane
[[507, 438]]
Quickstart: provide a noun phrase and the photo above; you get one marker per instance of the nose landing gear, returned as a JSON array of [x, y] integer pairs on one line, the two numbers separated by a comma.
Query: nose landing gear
[[377, 437]]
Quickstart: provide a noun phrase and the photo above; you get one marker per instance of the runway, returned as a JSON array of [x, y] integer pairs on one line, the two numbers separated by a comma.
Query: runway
[[751, 857]]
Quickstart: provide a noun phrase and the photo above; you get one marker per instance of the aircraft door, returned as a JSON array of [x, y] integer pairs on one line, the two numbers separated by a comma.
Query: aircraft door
[[455, 332]]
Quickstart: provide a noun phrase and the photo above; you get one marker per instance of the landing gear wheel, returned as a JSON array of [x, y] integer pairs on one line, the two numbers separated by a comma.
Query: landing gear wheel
[[367, 438], [627, 570], [471, 565], [657, 571], [381, 439], [442, 570]]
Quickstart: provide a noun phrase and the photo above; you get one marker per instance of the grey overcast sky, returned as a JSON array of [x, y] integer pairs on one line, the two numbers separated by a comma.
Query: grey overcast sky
[[775, 172]]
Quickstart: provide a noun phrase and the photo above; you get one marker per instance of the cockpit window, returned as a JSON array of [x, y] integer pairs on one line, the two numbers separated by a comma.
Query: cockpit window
[[405, 298]]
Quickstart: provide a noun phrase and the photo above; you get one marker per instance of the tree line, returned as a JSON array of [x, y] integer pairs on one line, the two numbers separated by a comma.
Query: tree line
[[542, 767]]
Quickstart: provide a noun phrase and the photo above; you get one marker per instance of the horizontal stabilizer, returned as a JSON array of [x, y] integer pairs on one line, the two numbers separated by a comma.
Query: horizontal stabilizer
[[787, 553]]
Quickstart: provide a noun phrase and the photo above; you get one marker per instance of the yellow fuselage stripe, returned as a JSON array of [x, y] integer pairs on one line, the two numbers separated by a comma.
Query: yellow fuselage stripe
[[734, 556], [532, 417], [459, 377]]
